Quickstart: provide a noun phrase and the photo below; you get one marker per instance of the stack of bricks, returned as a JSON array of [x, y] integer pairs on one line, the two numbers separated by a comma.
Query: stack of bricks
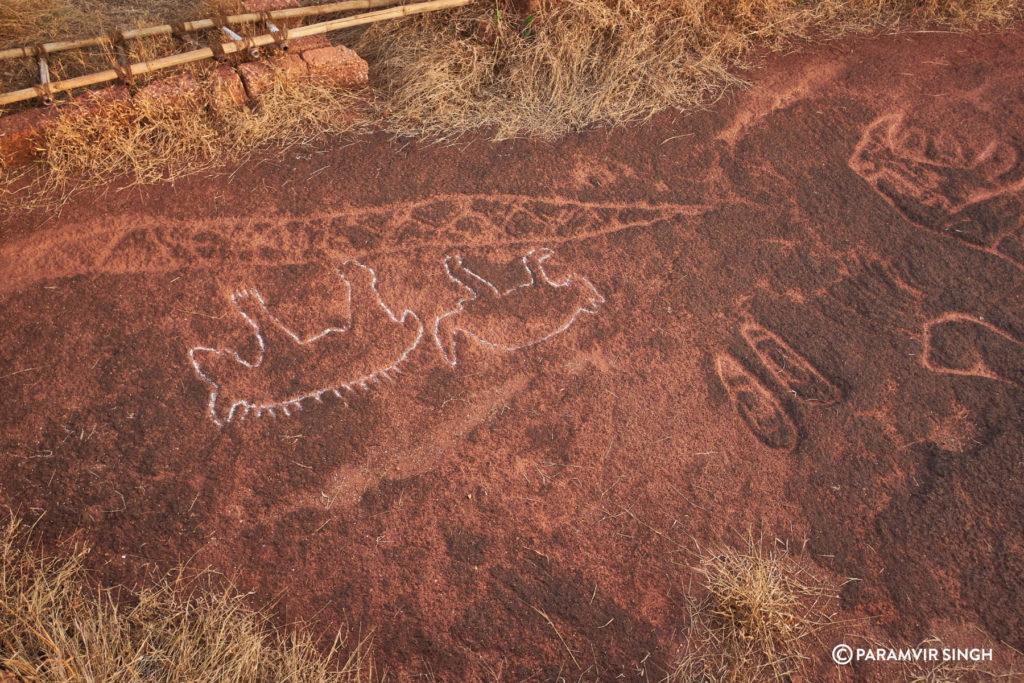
[[23, 133]]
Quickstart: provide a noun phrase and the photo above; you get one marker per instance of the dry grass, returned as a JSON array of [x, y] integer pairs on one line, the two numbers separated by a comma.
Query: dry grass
[[55, 627], [151, 140], [581, 62], [146, 140], [573, 64], [763, 613]]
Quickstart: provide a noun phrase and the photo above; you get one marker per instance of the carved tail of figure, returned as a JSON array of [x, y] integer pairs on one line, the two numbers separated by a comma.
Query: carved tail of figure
[[591, 300]]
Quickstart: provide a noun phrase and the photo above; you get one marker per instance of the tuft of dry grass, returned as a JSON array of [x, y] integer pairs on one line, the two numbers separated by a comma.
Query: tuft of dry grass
[[762, 613], [580, 62], [55, 627]]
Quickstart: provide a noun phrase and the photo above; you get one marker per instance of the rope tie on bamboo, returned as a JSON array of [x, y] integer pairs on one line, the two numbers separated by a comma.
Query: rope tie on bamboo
[[216, 46], [276, 33], [181, 32], [121, 64], [218, 51], [241, 44], [44, 91]]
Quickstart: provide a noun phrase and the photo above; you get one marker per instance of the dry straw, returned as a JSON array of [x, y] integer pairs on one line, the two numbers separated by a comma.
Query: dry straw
[[150, 140], [581, 62], [760, 620], [57, 627]]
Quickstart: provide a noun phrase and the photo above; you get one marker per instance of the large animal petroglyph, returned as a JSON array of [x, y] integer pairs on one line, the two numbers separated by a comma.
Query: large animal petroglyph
[[290, 369], [141, 243], [527, 314], [374, 342], [964, 187]]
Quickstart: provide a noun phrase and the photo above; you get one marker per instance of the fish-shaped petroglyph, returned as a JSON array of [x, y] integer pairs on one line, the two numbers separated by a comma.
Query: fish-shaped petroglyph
[[290, 369], [528, 314], [966, 188], [789, 368], [151, 244], [757, 406], [760, 406]]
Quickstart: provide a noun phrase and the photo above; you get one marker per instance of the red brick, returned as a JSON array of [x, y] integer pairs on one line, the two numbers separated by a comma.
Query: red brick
[[291, 65], [94, 100], [257, 77], [299, 45], [112, 102], [226, 86], [169, 90], [21, 134], [528, 7], [340, 64]]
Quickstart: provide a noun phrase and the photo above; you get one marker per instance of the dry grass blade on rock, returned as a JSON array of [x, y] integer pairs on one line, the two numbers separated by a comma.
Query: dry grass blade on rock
[[55, 627], [760, 620]]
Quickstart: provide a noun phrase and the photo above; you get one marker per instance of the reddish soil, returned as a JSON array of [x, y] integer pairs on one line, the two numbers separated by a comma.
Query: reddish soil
[[799, 313]]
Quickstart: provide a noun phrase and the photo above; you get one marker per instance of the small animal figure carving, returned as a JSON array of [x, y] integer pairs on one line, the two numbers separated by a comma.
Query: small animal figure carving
[[289, 369], [527, 314]]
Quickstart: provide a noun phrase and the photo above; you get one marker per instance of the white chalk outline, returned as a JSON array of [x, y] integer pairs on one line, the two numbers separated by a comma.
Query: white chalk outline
[[296, 401], [543, 254]]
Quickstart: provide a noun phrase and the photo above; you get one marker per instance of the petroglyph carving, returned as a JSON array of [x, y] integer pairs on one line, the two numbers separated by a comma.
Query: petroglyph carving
[[959, 344], [290, 369], [758, 407], [967, 189], [473, 220], [527, 314], [788, 367]]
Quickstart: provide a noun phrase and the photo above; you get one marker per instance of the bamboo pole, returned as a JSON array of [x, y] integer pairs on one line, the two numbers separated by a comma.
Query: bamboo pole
[[189, 26], [232, 47]]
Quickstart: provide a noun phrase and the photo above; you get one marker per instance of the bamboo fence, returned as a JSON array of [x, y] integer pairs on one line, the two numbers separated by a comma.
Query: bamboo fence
[[192, 26], [46, 90]]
